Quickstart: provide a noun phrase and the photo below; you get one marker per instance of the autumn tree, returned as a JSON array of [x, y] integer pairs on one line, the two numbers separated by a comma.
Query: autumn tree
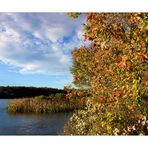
[[74, 15], [112, 68]]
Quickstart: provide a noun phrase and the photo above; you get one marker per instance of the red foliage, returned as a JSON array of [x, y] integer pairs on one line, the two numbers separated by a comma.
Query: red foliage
[[89, 16], [117, 94]]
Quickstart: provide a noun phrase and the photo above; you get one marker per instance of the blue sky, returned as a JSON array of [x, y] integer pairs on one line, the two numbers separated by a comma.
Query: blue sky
[[35, 48]]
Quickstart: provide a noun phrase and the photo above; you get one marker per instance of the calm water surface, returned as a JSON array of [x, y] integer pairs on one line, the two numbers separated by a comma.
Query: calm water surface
[[30, 124]]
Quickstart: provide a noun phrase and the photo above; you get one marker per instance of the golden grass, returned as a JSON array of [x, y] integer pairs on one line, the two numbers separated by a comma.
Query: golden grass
[[44, 105]]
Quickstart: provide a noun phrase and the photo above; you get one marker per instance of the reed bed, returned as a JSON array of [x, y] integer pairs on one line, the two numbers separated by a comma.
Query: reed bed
[[43, 104]]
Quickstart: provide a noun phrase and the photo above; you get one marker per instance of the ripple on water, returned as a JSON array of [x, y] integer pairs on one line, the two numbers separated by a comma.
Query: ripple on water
[[30, 124]]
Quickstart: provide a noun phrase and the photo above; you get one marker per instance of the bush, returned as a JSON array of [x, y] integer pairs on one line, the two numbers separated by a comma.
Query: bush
[[111, 69], [88, 123]]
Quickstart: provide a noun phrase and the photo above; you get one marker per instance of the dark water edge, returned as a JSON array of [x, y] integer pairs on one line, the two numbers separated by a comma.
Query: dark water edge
[[31, 124]]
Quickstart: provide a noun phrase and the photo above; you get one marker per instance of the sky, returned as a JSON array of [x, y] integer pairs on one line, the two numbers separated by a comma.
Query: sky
[[35, 48]]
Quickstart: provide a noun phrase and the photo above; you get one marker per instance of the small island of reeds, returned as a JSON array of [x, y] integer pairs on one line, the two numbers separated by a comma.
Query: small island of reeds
[[58, 102]]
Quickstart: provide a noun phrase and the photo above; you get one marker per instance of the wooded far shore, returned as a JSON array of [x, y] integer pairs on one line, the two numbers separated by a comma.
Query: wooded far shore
[[22, 91]]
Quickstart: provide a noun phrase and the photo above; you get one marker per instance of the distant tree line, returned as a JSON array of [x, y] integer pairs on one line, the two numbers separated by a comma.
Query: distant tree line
[[22, 91]]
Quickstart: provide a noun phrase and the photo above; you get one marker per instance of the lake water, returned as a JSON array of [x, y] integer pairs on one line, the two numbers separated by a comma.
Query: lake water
[[30, 124]]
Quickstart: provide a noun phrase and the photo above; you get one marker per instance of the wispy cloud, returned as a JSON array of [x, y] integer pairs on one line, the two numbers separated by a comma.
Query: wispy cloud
[[39, 42]]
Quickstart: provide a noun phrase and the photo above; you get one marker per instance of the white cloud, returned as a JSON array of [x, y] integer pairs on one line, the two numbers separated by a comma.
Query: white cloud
[[39, 42], [8, 35], [54, 34], [37, 34]]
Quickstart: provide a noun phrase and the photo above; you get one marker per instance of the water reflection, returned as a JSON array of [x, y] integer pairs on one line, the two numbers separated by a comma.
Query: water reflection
[[30, 124]]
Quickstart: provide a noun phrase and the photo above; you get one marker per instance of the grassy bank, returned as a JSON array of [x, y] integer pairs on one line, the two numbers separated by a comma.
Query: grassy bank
[[45, 104]]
